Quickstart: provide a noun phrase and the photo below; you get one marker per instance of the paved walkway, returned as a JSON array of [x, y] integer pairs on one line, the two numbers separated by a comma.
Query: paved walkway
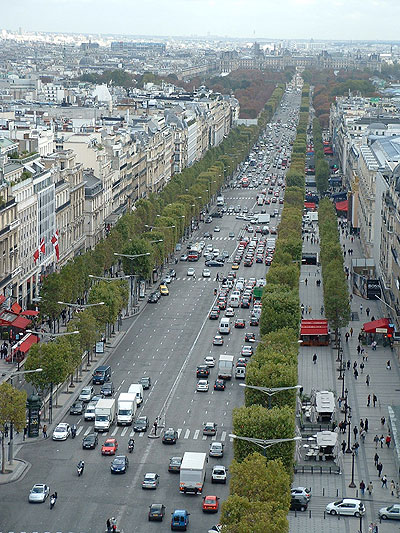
[[323, 376]]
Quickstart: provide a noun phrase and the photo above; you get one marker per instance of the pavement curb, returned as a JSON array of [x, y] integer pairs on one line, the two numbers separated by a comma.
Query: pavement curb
[[18, 474]]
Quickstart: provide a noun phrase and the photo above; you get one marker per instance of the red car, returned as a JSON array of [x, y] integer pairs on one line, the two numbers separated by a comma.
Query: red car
[[110, 447], [210, 504], [240, 323]]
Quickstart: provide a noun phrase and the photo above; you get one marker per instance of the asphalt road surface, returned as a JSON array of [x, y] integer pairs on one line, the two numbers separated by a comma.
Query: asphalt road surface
[[166, 342]]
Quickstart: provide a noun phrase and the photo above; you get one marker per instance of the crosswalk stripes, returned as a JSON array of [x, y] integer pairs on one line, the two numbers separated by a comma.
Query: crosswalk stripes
[[183, 433]]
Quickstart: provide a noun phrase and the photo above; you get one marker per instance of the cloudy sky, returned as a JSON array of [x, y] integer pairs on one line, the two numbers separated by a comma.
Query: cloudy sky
[[279, 19]]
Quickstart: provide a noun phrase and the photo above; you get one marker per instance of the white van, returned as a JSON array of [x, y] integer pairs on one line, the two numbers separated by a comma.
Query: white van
[[224, 326], [240, 372], [137, 388], [234, 300]]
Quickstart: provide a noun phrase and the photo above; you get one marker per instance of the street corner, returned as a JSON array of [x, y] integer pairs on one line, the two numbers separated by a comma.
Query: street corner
[[15, 472]]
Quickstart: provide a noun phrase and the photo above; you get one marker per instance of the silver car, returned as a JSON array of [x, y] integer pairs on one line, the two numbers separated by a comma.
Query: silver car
[[392, 512], [38, 493], [62, 432], [150, 481], [216, 449]]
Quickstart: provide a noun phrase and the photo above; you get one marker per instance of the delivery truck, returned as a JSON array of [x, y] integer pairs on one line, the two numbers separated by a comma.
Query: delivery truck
[[137, 389], [104, 414], [126, 408], [225, 366], [193, 472], [262, 218]]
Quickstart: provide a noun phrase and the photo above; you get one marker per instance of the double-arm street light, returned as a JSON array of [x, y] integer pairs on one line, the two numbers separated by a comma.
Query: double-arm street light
[[264, 444], [270, 391]]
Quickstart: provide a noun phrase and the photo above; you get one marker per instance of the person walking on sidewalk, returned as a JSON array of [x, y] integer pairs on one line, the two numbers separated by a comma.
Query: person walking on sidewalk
[[362, 366], [369, 400], [379, 467], [343, 446], [314, 358], [361, 423], [362, 487], [351, 332], [347, 335], [363, 434], [388, 440], [388, 365], [355, 373], [44, 431], [374, 398], [370, 488], [376, 456], [392, 487], [361, 308], [374, 345], [384, 481], [382, 440], [366, 424], [383, 420], [368, 310], [358, 349], [355, 431]]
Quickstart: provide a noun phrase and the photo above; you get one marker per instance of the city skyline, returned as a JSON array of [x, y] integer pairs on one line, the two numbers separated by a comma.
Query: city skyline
[[252, 19]]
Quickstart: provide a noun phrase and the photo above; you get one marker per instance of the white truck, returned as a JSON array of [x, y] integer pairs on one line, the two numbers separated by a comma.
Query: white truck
[[260, 200], [104, 414], [311, 216], [137, 388], [220, 201], [193, 472], [225, 366], [126, 408], [262, 218]]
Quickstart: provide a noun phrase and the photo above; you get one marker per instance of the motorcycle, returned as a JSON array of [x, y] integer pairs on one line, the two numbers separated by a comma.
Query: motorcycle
[[131, 445], [80, 467], [53, 499], [73, 431]]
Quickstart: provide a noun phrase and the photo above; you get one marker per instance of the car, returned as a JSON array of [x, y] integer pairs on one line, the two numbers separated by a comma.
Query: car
[[207, 235], [191, 271], [90, 413], [156, 512], [107, 389], [254, 321], [216, 449], [209, 361], [235, 266], [242, 361], [62, 431], [170, 436], [206, 273], [208, 220], [210, 504], [346, 506], [214, 263], [390, 512], [202, 371], [210, 428], [249, 337], [202, 385], [303, 491], [164, 290], [180, 520], [214, 314], [298, 503], [145, 381], [247, 351], [38, 493], [90, 441], [175, 464], [219, 384], [245, 303], [109, 447], [172, 273], [141, 423], [167, 279], [86, 394], [119, 464], [76, 408], [153, 297], [219, 474], [231, 235], [229, 312], [150, 480], [240, 323], [218, 340], [183, 257], [217, 229]]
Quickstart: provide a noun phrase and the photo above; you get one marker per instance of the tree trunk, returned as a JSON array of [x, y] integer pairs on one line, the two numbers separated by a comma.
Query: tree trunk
[[3, 454]]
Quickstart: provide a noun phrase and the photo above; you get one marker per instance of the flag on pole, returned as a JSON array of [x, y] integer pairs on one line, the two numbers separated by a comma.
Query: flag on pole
[[54, 241], [42, 246], [36, 255]]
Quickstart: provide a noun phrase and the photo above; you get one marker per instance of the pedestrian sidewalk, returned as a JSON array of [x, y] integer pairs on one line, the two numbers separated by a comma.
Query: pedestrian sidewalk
[[323, 375]]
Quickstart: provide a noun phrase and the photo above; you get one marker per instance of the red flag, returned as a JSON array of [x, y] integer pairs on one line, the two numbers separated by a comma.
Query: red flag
[[42, 246], [54, 242], [36, 255]]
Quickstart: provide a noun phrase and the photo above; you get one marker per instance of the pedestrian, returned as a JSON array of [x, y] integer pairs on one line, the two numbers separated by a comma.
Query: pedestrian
[[379, 467], [363, 434], [366, 424], [343, 446], [384, 481], [368, 310], [351, 332], [25, 432], [392, 487], [314, 358], [397, 490], [365, 357], [108, 524], [302, 309], [361, 308], [388, 440], [376, 456], [44, 431], [358, 349], [155, 427], [355, 447], [355, 431], [382, 440], [369, 400], [362, 487], [322, 309], [388, 365], [348, 365], [340, 403], [373, 345], [374, 397], [361, 423], [347, 335], [370, 488], [354, 365], [309, 309], [306, 280], [362, 366], [383, 420], [355, 373], [359, 337]]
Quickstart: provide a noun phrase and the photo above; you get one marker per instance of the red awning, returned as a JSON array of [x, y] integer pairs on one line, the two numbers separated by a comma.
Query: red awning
[[342, 206], [27, 343], [314, 327], [30, 312], [309, 205], [20, 323], [7, 317], [2, 299], [381, 323], [16, 308]]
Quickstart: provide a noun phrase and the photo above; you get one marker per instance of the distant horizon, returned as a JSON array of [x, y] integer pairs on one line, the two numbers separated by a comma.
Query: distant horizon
[[336, 20]]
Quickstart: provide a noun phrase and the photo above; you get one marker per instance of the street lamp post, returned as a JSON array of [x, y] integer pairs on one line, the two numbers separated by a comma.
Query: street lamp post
[[352, 485], [264, 444], [270, 391], [349, 450], [132, 256], [11, 441]]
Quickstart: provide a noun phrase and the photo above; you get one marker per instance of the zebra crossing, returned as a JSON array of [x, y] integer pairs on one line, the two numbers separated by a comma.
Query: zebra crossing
[[192, 278], [184, 433]]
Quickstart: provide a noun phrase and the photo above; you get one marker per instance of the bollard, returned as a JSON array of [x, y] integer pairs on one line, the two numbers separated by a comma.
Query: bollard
[[309, 512], [337, 493], [324, 515], [323, 491], [356, 493]]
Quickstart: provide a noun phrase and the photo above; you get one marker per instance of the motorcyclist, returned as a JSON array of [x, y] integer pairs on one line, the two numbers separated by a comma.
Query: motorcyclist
[[80, 467], [215, 291], [53, 499], [131, 444], [73, 431]]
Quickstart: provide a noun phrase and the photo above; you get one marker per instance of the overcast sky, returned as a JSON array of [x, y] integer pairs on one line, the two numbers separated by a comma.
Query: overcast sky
[[278, 19]]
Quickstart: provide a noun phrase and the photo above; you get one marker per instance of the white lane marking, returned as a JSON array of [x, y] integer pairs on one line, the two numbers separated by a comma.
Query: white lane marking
[[204, 437], [196, 434], [223, 436], [87, 431], [141, 434], [214, 437], [123, 432], [79, 430], [187, 433], [179, 431]]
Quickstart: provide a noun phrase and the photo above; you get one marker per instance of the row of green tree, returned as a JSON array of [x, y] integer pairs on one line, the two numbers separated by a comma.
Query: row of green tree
[[336, 293], [260, 484], [322, 172], [295, 176]]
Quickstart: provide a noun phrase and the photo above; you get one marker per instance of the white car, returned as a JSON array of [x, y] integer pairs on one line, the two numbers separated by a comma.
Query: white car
[[86, 394], [89, 413], [209, 361], [202, 385], [62, 431], [167, 278], [229, 312], [206, 273], [218, 474], [217, 229], [346, 506], [38, 493], [191, 271]]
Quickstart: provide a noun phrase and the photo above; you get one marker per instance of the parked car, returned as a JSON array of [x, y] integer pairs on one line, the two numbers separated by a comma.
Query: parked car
[[298, 503], [346, 506]]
